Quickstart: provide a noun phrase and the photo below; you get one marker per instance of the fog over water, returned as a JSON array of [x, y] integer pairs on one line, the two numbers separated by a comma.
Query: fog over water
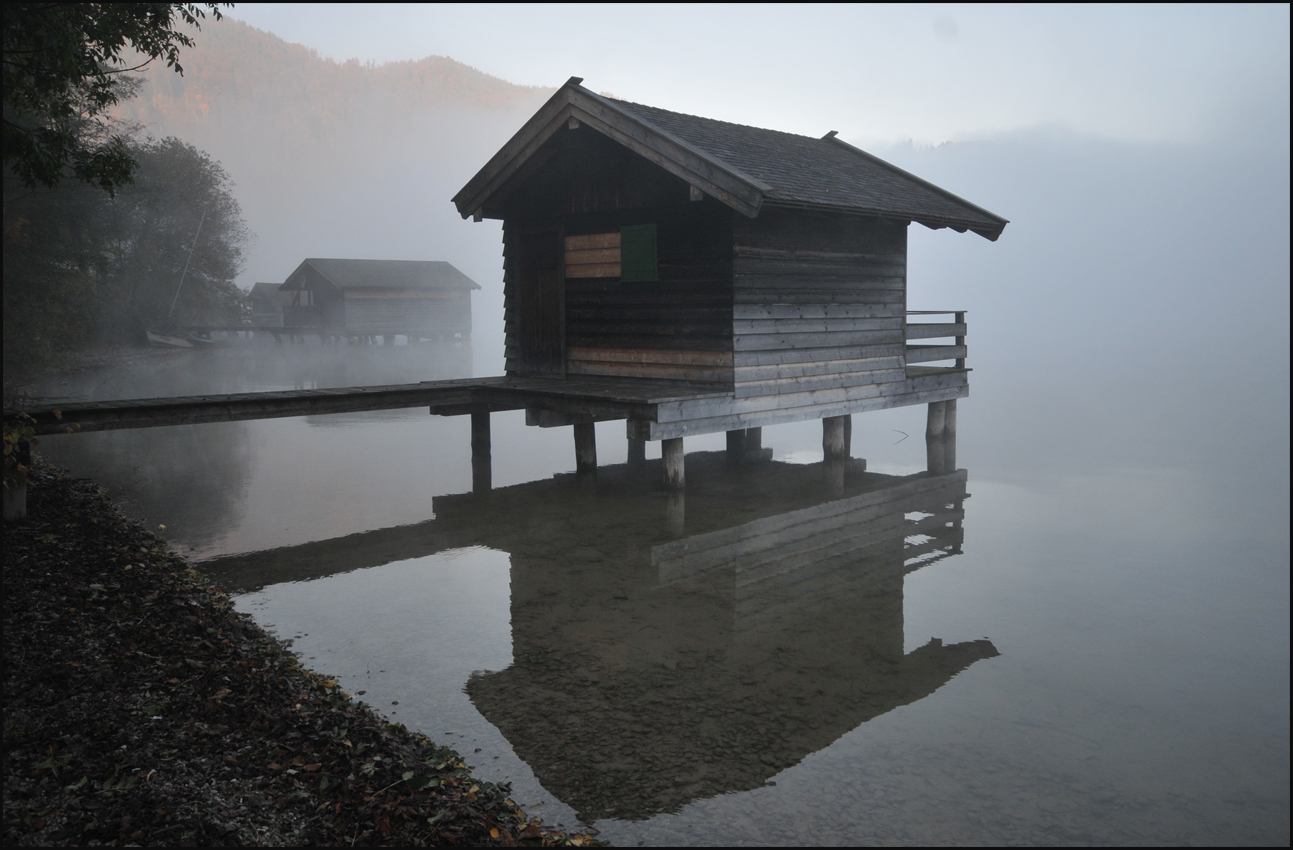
[[1126, 534]]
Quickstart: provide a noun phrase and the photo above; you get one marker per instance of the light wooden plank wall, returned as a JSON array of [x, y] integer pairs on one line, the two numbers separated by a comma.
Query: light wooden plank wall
[[819, 305]]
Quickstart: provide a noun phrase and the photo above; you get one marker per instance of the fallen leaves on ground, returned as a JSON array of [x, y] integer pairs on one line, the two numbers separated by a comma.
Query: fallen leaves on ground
[[141, 709]]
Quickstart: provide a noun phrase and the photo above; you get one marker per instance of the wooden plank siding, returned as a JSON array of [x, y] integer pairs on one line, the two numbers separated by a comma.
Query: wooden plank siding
[[826, 290], [676, 328]]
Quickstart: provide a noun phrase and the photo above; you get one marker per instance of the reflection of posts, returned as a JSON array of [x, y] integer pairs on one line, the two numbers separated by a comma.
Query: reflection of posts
[[940, 437], [675, 514], [481, 462]]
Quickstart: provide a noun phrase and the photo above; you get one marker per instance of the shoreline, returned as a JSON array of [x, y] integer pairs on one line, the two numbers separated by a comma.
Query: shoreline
[[141, 709]]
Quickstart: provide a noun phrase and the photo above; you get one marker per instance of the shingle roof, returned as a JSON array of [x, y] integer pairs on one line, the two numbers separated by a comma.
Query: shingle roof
[[818, 172], [388, 274], [742, 166]]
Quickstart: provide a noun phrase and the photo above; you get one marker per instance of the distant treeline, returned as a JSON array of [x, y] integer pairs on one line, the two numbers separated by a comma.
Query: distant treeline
[[236, 71], [82, 267]]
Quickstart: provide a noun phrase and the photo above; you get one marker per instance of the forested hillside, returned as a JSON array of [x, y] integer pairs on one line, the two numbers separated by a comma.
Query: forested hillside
[[236, 70]]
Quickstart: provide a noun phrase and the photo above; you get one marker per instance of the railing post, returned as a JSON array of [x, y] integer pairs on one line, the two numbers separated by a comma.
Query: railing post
[[960, 340]]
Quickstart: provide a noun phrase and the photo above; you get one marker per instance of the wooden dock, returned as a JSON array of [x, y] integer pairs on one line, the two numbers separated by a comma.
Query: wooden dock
[[555, 401]]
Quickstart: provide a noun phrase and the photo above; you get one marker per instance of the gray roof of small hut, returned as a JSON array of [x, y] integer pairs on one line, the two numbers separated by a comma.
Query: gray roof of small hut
[[386, 274], [740, 165], [268, 292]]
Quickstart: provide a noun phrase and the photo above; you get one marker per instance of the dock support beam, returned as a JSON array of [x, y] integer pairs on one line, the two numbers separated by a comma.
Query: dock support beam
[[675, 479], [637, 453], [940, 437], [585, 447], [482, 465], [675, 514], [753, 440], [835, 444], [735, 447]]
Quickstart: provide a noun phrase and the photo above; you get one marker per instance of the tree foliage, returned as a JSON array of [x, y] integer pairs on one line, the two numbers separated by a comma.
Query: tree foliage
[[83, 267], [62, 72]]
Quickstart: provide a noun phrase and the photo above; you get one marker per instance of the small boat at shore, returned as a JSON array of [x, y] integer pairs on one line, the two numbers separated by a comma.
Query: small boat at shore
[[161, 339], [177, 338]]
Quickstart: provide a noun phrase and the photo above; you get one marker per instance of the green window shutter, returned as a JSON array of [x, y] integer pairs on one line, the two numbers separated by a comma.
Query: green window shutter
[[638, 253]]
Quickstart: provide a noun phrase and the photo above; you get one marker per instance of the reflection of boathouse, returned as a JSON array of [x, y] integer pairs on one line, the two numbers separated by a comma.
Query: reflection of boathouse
[[662, 658], [647, 675]]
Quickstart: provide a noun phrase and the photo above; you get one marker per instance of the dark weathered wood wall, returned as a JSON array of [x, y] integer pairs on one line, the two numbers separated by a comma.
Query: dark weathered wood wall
[[676, 328], [819, 307]]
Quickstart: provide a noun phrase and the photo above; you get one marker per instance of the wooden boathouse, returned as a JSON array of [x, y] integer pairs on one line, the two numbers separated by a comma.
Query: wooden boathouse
[[684, 274], [761, 274], [369, 298]]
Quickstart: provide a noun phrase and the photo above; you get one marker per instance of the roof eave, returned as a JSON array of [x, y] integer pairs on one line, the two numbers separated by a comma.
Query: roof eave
[[990, 231], [712, 176]]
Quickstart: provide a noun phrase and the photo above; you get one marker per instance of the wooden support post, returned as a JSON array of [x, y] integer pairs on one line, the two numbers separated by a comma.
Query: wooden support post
[[753, 439], [735, 447], [637, 453], [936, 421], [833, 443], [481, 456], [960, 341], [949, 418], [848, 435], [585, 447], [934, 456], [949, 452], [675, 514], [675, 478]]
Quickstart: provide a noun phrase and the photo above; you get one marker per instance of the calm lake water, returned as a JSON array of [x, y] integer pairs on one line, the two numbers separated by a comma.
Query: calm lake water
[[1054, 645]]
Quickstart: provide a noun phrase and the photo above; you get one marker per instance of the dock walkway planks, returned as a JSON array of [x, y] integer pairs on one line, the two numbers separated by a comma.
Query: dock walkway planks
[[576, 396]]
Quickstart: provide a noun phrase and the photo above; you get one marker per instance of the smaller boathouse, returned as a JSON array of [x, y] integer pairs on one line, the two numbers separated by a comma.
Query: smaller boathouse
[[368, 298]]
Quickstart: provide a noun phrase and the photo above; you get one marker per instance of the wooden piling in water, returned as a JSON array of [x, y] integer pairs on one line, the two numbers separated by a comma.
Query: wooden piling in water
[[936, 420], [585, 447], [735, 447], [482, 464], [833, 440], [675, 478], [637, 453]]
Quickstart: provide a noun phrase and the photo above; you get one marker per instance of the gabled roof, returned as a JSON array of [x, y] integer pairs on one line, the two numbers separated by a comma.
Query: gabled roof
[[383, 274], [744, 167], [268, 292]]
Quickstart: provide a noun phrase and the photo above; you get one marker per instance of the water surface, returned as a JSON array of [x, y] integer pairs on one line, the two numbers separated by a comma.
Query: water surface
[[1043, 648]]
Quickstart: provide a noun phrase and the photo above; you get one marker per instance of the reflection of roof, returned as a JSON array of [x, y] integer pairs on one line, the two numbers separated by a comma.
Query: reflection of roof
[[651, 669], [742, 166], [385, 274]]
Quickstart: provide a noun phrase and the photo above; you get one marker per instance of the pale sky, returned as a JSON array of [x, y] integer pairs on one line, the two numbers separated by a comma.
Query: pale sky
[[923, 73]]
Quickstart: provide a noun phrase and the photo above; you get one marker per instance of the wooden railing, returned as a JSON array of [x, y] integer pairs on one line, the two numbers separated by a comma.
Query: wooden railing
[[936, 330]]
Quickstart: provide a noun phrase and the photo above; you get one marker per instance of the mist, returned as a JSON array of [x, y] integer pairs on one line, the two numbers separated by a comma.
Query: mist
[[1123, 454]]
